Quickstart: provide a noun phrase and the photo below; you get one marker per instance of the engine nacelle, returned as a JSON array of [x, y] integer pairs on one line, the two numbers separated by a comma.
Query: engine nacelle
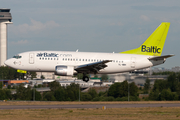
[[64, 70]]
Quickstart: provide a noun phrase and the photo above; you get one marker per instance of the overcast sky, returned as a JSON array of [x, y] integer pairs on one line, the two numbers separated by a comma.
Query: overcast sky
[[91, 25]]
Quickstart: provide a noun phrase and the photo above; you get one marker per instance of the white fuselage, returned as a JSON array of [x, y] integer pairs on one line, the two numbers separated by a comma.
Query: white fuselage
[[46, 61]]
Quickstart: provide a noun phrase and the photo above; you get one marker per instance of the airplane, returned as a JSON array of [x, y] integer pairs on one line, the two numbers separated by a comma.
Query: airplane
[[66, 63]]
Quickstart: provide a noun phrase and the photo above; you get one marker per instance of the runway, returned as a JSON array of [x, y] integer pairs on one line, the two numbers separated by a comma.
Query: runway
[[84, 106]]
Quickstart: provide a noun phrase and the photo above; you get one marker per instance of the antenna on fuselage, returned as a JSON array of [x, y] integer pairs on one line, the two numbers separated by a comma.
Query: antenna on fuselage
[[77, 50]]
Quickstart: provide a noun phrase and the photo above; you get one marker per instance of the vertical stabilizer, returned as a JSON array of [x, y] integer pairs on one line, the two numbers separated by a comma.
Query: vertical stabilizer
[[153, 46]]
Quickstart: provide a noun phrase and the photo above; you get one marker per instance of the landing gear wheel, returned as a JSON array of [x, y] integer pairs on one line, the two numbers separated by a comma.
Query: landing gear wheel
[[85, 78]]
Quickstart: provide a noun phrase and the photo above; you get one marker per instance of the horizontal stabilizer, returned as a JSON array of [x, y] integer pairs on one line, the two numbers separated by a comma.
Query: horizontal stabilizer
[[160, 57]]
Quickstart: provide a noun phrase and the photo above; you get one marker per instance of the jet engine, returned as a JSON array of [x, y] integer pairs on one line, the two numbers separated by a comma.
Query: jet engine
[[64, 70]]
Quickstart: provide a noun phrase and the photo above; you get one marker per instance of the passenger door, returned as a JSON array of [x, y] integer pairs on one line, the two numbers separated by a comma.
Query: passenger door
[[31, 58]]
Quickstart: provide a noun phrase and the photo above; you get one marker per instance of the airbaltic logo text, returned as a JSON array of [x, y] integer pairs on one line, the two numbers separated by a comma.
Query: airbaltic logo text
[[47, 55], [151, 49]]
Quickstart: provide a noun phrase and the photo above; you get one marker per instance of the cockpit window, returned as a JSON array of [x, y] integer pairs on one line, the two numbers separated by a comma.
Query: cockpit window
[[17, 56]]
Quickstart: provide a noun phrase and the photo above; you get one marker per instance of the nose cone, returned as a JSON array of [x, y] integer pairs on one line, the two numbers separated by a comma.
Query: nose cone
[[8, 63]]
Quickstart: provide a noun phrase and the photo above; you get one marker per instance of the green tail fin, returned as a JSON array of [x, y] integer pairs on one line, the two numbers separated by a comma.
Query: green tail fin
[[154, 44]]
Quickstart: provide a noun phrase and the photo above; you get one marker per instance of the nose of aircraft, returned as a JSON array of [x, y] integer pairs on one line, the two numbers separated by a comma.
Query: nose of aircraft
[[8, 63]]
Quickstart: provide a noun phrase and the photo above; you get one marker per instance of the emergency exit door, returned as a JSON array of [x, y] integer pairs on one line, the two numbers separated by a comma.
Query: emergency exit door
[[133, 62]]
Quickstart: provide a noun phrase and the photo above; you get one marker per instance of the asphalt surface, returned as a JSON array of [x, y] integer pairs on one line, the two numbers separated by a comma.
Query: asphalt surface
[[88, 106]]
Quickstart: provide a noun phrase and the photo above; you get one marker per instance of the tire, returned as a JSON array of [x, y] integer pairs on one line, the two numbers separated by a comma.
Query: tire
[[86, 78]]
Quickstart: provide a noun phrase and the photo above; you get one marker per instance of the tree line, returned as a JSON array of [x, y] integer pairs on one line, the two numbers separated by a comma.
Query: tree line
[[164, 73], [7, 73], [117, 92], [166, 89]]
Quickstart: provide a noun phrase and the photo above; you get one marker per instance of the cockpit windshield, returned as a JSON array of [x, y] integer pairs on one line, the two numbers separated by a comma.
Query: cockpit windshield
[[17, 56]]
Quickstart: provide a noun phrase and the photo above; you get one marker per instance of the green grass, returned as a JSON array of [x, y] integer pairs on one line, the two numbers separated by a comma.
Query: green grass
[[157, 113]]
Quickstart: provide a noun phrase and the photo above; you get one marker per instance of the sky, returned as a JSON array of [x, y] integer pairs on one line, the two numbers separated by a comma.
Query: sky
[[91, 26]]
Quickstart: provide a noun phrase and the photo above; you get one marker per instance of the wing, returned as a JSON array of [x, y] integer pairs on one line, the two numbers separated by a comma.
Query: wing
[[92, 67], [160, 57]]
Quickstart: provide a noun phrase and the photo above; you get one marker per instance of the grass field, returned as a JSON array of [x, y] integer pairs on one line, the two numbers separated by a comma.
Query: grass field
[[153, 113], [159, 113]]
